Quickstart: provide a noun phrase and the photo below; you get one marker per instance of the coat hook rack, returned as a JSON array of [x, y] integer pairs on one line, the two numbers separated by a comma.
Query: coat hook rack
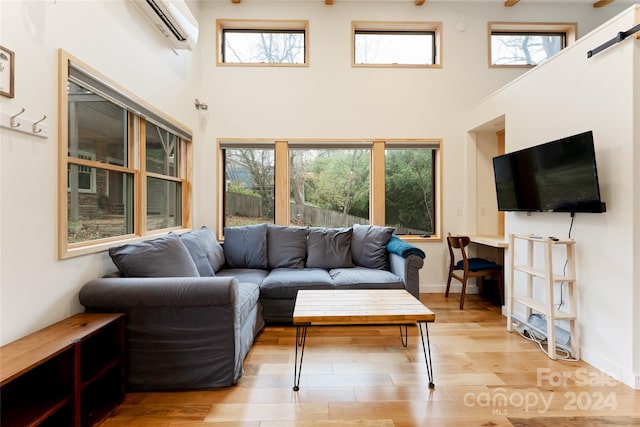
[[37, 129], [13, 123], [24, 125]]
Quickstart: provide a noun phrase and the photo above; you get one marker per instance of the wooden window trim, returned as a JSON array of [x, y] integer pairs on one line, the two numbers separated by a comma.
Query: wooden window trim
[[399, 26], [569, 29], [257, 25], [135, 167], [377, 171]]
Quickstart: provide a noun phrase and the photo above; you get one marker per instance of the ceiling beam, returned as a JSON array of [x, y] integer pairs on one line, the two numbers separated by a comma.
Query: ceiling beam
[[419, 2], [329, 2], [235, 1], [602, 3], [510, 3]]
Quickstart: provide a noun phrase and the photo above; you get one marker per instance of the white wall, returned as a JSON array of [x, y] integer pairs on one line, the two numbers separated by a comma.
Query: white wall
[[36, 289], [567, 95], [328, 99]]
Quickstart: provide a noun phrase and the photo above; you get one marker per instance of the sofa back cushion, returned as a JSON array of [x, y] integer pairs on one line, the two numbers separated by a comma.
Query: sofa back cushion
[[205, 250], [164, 256], [246, 246], [369, 246], [329, 248], [287, 246]]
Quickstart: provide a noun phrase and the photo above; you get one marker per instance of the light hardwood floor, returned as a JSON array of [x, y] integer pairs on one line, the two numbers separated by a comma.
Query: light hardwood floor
[[362, 376]]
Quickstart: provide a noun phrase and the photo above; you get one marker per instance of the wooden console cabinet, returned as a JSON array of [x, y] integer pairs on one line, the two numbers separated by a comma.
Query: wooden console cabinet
[[68, 374]]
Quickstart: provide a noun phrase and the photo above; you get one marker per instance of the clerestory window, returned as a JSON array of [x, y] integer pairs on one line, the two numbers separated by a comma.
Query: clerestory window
[[396, 44], [527, 44], [260, 42]]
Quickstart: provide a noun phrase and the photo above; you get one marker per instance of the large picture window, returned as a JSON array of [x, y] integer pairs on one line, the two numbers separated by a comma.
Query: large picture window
[[123, 165], [332, 184]]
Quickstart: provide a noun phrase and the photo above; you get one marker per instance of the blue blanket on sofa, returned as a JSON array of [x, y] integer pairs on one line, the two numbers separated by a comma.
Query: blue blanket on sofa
[[397, 246]]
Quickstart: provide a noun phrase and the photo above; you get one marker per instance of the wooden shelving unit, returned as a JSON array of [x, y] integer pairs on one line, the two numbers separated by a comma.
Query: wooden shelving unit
[[543, 274], [70, 373]]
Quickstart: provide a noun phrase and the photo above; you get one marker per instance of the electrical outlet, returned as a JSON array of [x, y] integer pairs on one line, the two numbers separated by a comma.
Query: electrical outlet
[[459, 211], [483, 211]]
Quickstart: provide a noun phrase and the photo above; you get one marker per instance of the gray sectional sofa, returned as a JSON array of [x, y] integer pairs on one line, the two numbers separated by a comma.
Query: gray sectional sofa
[[194, 306]]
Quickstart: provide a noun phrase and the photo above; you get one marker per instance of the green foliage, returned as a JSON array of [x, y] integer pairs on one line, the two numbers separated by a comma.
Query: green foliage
[[236, 187], [409, 189], [338, 180]]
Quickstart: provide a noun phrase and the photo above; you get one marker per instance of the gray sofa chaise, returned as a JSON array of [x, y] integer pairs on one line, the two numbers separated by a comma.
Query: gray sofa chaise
[[194, 307]]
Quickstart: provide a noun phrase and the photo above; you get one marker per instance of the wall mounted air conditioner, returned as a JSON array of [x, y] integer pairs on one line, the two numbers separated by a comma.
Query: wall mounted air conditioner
[[174, 20]]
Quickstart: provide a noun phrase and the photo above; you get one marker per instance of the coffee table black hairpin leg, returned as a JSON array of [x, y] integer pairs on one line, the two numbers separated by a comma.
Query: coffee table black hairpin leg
[[301, 338], [404, 338], [427, 350]]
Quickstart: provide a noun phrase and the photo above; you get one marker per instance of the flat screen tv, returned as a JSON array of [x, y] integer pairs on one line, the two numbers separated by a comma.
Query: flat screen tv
[[559, 176]]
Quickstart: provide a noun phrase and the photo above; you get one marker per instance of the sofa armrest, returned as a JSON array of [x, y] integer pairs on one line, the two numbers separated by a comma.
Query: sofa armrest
[[138, 292], [408, 270], [180, 330]]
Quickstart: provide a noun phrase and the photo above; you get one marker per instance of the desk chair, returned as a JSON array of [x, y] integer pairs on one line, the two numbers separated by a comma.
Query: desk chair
[[470, 267]]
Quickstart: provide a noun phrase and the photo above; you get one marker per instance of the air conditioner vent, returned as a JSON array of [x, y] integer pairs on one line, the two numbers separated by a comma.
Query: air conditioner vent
[[174, 20]]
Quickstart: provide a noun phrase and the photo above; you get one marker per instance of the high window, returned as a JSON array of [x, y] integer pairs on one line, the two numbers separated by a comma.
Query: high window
[[332, 184], [248, 42], [125, 165], [525, 44], [400, 44]]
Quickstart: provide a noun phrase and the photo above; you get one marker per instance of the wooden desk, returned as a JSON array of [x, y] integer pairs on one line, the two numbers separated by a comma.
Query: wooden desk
[[359, 307], [492, 248], [493, 241]]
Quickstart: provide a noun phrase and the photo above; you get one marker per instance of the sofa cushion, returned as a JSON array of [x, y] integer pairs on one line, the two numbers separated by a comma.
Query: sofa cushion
[[286, 246], [164, 256], [205, 250], [246, 246], [329, 248], [369, 246], [245, 301], [285, 282], [244, 275], [364, 278]]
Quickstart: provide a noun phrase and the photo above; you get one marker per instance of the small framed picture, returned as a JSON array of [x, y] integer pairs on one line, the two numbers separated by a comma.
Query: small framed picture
[[6, 72]]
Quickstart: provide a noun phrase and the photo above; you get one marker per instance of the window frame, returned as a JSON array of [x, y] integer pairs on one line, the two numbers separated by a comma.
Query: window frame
[[397, 28], [89, 156], [568, 30], [138, 112], [260, 25], [377, 195]]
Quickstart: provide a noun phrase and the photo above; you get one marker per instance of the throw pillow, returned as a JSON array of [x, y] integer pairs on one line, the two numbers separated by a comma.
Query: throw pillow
[[369, 246], [164, 256], [246, 246], [205, 250], [287, 246], [329, 248]]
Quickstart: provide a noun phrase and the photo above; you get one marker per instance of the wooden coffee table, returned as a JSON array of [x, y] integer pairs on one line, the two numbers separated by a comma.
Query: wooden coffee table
[[359, 307]]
